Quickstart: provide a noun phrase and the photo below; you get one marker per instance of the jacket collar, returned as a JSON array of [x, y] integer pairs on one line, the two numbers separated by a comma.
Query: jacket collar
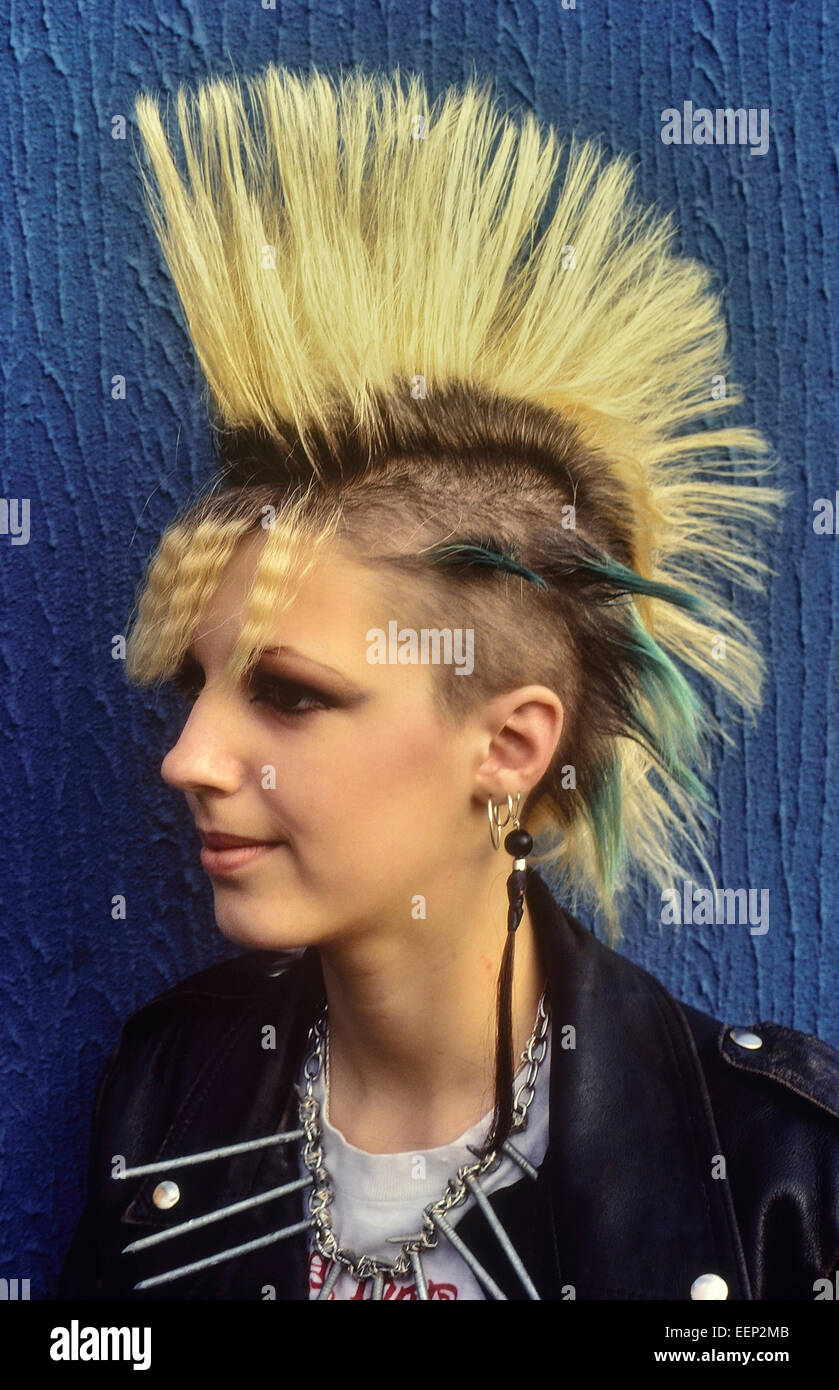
[[626, 1204]]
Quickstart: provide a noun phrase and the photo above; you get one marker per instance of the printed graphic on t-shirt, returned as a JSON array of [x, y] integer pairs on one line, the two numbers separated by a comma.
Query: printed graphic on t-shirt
[[393, 1288]]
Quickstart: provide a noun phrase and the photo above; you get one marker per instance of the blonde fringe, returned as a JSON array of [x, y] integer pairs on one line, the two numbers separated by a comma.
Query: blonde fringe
[[192, 555], [291, 552], [323, 246], [181, 577]]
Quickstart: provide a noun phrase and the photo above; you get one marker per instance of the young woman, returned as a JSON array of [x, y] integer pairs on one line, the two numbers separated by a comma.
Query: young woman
[[468, 517]]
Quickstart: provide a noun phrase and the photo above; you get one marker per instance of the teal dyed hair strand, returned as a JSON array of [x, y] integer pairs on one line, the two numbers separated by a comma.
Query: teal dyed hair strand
[[676, 709], [628, 580], [605, 816], [473, 553]]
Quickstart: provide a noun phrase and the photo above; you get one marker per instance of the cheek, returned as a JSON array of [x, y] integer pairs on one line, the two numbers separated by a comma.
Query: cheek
[[366, 771]]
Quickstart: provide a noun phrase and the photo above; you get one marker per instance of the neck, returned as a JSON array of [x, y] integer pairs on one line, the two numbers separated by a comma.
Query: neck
[[412, 1018]]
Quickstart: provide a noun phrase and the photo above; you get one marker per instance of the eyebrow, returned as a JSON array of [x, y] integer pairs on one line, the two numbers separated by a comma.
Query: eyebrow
[[291, 652], [310, 661], [350, 691]]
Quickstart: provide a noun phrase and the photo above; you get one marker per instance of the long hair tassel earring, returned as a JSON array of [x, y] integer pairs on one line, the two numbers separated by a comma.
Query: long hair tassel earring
[[519, 844]]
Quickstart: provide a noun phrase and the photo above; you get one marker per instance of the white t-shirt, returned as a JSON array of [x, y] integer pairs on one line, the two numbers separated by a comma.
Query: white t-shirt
[[380, 1195]]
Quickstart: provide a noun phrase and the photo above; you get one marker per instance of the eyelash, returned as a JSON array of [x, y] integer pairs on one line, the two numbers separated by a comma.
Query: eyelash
[[269, 690]]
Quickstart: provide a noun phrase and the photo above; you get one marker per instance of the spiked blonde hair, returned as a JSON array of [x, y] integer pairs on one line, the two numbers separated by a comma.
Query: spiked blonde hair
[[378, 321]]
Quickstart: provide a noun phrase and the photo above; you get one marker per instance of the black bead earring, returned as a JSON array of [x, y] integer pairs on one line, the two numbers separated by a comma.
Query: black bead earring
[[519, 844]]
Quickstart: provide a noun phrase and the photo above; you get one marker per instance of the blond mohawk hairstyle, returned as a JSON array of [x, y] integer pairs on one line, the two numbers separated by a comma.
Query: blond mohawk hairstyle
[[333, 239]]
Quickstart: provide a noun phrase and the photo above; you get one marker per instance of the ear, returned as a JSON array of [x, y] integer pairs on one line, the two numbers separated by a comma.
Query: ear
[[521, 730]]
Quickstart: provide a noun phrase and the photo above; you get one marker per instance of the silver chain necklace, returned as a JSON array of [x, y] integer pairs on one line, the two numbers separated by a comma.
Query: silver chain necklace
[[457, 1188]]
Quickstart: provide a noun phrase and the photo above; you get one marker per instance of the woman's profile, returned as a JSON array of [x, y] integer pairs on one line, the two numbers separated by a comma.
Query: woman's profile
[[434, 620]]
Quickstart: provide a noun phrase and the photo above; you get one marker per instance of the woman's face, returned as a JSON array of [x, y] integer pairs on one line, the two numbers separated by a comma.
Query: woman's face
[[362, 791]]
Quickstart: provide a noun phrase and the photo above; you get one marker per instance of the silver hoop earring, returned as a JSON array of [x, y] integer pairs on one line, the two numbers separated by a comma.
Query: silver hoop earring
[[496, 825]]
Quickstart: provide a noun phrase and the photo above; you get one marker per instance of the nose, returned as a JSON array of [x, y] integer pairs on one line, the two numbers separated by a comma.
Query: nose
[[204, 755]]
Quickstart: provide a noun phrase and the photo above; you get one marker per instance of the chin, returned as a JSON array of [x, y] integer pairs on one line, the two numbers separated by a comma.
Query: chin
[[244, 928]]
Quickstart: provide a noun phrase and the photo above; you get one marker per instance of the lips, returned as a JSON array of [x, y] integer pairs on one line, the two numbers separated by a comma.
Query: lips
[[215, 839], [225, 853]]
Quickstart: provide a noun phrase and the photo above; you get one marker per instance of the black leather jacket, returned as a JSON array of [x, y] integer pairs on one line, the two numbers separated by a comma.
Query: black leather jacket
[[674, 1151]]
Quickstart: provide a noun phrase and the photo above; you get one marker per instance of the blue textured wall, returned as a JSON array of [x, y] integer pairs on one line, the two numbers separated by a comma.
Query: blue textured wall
[[84, 297]]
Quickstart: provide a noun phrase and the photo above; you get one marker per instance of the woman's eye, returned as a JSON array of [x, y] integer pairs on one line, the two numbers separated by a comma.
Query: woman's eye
[[187, 684], [286, 696]]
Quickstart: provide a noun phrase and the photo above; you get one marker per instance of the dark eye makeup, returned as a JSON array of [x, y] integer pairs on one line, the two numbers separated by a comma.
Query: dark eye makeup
[[278, 692]]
